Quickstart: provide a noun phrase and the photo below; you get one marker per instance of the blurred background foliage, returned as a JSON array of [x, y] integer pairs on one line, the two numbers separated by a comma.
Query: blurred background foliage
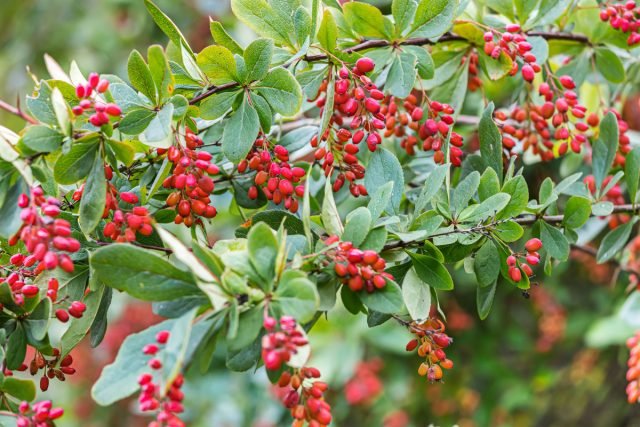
[[528, 364]]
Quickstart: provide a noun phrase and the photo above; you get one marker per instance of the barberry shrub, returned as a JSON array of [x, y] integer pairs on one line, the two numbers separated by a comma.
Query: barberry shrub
[[364, 158]]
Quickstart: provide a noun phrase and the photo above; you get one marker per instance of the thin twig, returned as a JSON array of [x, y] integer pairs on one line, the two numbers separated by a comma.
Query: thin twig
[[17, 112]]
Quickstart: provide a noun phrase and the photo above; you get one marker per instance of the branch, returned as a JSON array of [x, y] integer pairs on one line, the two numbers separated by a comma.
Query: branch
[[417, 41], [16, 111]]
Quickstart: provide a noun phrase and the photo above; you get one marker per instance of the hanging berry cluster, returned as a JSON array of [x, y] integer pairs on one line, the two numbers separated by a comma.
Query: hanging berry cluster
[[540, 127], [281, 342], [623, 17], [275, 177], [100, 112], [40, 414], [633, 373], [431, 340], [55, 367], [124, 225], [46, 238], [357, 98], [514, 44], [153, 398], [190, 180], [303, 395], [522, 263], [356, 268]]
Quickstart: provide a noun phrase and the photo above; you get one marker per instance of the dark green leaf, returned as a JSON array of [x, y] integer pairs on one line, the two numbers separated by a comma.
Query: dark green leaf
[[432, 272], [42, 139], [384, 167], [490, 141], [615, 241], [93, 197], [240, 132]]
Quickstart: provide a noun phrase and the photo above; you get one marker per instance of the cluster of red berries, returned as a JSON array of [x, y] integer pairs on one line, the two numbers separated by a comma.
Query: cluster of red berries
[[431, 340], [365, 384], [124, 225], [45, 237], [515, 45], [633, 373], [190, 178], [101, 111], [358, 269], [358, 98], [282, 341], [474, 83], [275, 177], [623, 17], [431, 132], [56, 367], [40, 414], [539, 127], [517, 266], [303, 395], [152, 397]]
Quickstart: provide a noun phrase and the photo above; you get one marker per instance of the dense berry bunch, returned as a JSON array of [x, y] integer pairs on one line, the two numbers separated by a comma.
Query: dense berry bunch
[[190, 178], [40, 414], [431, 340], [54, 367], [45, 237], [88, 94], [557, 121], [153, 397], [633, 373], [124, 225], [281, 342], [275, 177], [522, 263], [303, 394], [358, 118], [358, 269], [514, 44], [623, 17]]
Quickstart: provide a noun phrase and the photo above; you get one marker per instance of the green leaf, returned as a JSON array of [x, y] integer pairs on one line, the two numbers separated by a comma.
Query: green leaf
[[19, 388], [576, 212], [136, 121], [218, 64], [37, 324], [240, 132], [632, 173], [328, 32], [509, 231], [297, 296], [486, 264], [93, 198], [416, 295], [329, 214], [433, 18], [402, 74], [221, 37], [167, 26], [614, 241], [159, 133], [40, 105], [490, 141], [282, 91], [265, 115], [384, 167], [257, 58], [16, 348], [517, 188], [488, 208], [357, 226], [141, 273], [489, 184], [379, 201], [605, 148], [260, 16], [554, 242], [464, 191], [609, 65], [431, 186], [386, 300], [160, 72], [365, 19], [425, 65], [140, 76], [484, 299], [249, 326], [77, 163], [42, 139], [263, 251], [432, 272], [403, 12], [217, 105], [80, 327]]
